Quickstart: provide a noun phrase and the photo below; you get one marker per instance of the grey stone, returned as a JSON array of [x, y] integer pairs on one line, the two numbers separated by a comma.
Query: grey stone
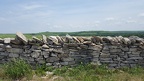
[[134, 58], [53, 54], [68, 59], [1, 40], [96, 47], [21, 37], [52, 59], [2, 49], [15, 50], [35, 54], [104, 55], [64, 63], [13, 55], [133, 49], [105, 59], [48, 64], [115, 50], [8, 47], [45, 54]]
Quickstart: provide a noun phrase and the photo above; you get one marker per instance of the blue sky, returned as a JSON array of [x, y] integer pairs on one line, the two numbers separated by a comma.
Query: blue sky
[[30, 16]]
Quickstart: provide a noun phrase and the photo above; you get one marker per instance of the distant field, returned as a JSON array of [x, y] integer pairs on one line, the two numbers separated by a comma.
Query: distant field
[[82, 33]]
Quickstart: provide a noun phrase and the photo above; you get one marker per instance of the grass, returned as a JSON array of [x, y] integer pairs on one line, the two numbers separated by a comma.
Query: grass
[[19, 69]]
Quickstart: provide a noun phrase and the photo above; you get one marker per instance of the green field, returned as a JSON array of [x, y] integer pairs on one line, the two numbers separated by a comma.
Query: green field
[[82, 33]]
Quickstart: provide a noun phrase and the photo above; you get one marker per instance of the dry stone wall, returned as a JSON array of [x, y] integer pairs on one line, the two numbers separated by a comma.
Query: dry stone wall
[[68, 50]]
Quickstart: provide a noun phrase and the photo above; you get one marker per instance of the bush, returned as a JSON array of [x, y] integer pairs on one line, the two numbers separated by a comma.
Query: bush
[[17, 68]]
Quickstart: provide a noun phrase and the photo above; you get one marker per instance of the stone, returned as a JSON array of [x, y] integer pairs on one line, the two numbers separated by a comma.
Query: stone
[[1, 40], [15, 50], [126, 41], [53, 54], [84, 46], [2, 49], [105, 59], [96, 47], [60, 40], [52, 59], [8, 47], [37, 39], [104, 55], [75, 39], [96, 39], [67, 59], [80, 39], [64, 63], [45, 54], [115, 50], [125, 49], [2, 45], [119, 39], [48, 64], [7, 40], [53, 39], [133, 49], [21, 37], [35, 54], [44, 38], [45, 46], [134, 58], [13, 55]]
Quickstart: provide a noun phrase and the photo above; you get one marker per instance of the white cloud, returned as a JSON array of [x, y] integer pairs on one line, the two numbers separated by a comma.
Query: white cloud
[[109, 18], [131, 21], [33, 6], [141, 14]]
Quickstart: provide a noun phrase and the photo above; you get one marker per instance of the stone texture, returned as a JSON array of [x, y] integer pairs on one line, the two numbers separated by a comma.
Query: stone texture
[[44, 38], [21, 37], [59, 51], [15, 50]]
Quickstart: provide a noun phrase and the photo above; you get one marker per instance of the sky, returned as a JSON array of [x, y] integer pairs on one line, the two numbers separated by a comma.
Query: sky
[[32, 16]]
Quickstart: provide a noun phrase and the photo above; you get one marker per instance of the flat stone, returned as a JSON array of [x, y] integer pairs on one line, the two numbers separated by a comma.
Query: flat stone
[[7, 40], [52, 59], [44, 38], [67, 59], [126, 41], [13, 55], [134, 58], [15, 50], [133, 49], [53, 39], [45, 46], [21, 37], [64, 63], [96, 39], [75, 38], [37, 39], [96, 47], [115, 50], [80, 39]]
